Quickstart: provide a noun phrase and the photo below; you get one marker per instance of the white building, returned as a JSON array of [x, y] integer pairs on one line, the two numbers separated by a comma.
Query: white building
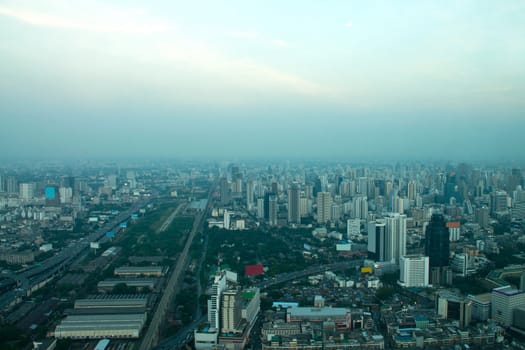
[[396, 236], [504, 300], [414, 271], [27, 191], [353, 228], [214, 303]]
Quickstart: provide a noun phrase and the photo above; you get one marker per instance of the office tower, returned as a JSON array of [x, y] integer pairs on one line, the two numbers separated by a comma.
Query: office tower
[[499, 202], [249, 195], [481, 304], [377, 249], [294, 210], [260, 208], [504, 301], [353, 227], [225, 191], [360, 208], [66, 194], [237, 187], [52, 195], [482, 216], [396, 233], [11, 185], [27, 191], [324, 207], [411, 190], [214, 303], [437, 246], [414, 270], [451, 188], [275, 188], [231, 311], [267, 196], [515, 179], [362, 186], [272, 210], [398, 205], [304, 206]]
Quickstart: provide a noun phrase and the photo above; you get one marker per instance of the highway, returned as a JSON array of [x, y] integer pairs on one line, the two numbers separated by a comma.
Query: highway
[[151, 337], [30, 279]]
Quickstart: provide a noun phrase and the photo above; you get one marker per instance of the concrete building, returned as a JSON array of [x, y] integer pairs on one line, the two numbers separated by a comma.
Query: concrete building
[[294, 210], [353, 227], [273, 209], [214, 303], [139, 283], [324, 207], [396, 236], [377, 248], [340, 316], [481, 305], [453, 307], [27, 191], [504, 300], [414, 271]]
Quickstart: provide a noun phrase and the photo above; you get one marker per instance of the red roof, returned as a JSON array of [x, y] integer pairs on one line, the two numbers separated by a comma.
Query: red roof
[[253, 270], [453, 224]]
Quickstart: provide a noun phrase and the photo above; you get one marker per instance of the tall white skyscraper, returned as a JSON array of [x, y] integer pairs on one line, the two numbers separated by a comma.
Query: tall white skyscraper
[[414, 270], [214, 303], [396, 232], [324, 207]]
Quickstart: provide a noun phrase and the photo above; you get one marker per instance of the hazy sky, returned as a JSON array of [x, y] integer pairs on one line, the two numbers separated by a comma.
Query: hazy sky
[[345, 79]]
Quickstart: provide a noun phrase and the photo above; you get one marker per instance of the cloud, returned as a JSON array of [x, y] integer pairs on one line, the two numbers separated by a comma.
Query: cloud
[[104, 21], [280, 43], [244, 35], [349, 24]]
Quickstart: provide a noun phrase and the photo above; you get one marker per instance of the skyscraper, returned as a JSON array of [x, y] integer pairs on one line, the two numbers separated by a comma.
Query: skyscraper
[[225, 191], [324, 207], [294, 212], [214, 303], [396, 233], [249, 195], [231, 311], [437, 244], [414, 271], [272, 210], [377, 248]]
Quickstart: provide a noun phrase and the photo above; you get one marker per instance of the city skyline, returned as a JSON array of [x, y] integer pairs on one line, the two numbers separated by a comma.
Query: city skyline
[[374, 81]]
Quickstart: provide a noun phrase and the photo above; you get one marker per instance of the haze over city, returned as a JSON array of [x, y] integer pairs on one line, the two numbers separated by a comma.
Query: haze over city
[[355, 80]]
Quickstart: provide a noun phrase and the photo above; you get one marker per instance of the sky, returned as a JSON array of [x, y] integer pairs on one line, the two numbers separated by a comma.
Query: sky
[[228, 79]]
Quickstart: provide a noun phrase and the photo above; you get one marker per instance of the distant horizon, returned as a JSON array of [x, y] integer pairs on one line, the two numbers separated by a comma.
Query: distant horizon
[[354, 80]]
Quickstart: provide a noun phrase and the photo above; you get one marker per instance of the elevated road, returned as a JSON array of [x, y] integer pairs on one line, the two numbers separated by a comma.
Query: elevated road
[[152, 335]]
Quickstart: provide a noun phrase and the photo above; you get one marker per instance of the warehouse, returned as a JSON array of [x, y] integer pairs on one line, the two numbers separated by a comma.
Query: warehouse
[[137, 271], [140, 283], [101, 326], [113, 301]]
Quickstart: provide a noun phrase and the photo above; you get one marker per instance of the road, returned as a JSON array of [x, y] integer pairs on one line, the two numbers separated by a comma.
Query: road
[[170, 218], [31, 279], [151, 337]]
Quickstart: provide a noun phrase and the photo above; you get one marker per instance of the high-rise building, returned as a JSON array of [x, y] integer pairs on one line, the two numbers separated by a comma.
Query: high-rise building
[[377, 248], [27, 191], [249, 195], [11, 185], [437, 244], [504, 300], [411, 190], [214, 303], [353, 227], [225, 191], [499, 202], [454, 230], [482, 216], [260, 208], [52, 195], [414, 271], [324, 207], [360, 208], [396, 236], [231, 311], [362, 186], [294, 210], [272, 210]]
